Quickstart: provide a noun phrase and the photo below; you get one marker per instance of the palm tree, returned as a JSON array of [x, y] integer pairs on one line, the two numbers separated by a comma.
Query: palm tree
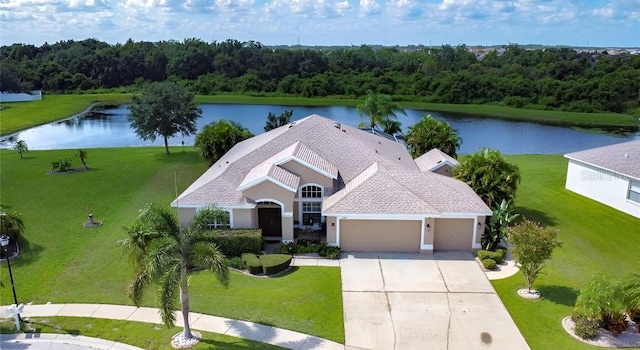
[[162, 251], [380, 109], [490, 175], [430, 133], [21, 147], [11, 225]]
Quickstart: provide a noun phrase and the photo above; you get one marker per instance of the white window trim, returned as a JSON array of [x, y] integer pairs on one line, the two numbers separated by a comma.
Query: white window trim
[[229, 211], [304, 200], [634, 187]]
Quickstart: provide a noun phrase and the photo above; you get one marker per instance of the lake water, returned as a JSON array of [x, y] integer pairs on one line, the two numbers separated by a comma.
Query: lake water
[[111, 129]]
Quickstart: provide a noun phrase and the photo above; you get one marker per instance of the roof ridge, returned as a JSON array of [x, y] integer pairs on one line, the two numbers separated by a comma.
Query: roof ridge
[[350, 186]]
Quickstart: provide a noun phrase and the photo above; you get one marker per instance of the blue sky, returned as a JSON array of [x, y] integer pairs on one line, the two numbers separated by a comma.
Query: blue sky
[[613, 23]]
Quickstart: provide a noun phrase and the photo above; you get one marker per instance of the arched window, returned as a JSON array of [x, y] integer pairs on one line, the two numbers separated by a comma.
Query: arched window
[[311, 205]]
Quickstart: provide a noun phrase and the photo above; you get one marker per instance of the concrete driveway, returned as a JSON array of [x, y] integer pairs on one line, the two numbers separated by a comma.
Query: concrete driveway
[[422, 301]]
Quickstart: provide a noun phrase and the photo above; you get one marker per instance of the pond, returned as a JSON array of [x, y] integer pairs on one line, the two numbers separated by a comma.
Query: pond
[[111, 129]]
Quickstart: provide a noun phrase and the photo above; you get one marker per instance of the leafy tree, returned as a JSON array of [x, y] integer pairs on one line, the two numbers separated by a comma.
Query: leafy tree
[[379, 109], [21, 147], [490, 175], [218, 137], [161, 251], [11, 224], [164, 109], [532, 247], [83, 155], [276, 122], [430, 133]]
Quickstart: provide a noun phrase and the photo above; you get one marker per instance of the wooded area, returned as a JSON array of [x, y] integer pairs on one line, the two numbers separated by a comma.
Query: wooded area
[[551, 79]]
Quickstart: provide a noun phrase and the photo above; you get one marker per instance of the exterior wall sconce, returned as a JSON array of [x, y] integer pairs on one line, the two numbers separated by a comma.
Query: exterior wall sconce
[[333, 224], [428, 226]]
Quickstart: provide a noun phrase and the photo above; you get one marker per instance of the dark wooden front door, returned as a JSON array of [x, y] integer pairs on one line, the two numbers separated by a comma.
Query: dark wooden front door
[[270, 221]]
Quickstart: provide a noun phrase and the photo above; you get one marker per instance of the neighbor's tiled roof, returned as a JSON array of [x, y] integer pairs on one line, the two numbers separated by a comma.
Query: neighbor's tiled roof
[[379, 175], [622, 158], [433, 159]]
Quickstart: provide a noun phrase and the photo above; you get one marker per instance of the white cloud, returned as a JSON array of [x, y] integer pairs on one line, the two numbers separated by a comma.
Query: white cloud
[[369, 7]]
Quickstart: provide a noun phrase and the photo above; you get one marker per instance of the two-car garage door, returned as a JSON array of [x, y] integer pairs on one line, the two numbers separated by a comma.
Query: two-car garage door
[[380, 235]]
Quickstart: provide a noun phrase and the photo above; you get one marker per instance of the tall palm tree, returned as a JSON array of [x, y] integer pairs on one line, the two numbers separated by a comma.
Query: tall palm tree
[[21, 147], [162, 251], [379, 109], [11, 225]]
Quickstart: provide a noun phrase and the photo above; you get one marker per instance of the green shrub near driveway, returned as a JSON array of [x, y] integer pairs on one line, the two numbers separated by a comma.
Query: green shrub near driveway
[[489, 264], [497, 256], [274, 263]]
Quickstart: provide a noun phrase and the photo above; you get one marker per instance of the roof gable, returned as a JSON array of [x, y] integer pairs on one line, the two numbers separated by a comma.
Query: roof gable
[[622, 158], [435, 159]]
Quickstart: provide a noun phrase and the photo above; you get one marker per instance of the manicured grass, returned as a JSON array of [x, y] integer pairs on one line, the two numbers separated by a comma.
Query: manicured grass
[[142, 335], [21, 115], [62, 261], [596, 239], [16, 116]]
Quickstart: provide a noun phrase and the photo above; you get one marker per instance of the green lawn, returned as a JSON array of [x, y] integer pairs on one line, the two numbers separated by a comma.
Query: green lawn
[[596, 239], [64, 262], [18, 116], [143, 335]]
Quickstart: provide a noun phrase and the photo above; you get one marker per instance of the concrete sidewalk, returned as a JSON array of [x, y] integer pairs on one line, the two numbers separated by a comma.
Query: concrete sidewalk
[[235, 328], [49, 341]]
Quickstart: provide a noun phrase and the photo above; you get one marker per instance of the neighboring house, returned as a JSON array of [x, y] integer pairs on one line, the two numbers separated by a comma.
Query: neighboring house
[[437, 162], [364, 190], [609, 175]]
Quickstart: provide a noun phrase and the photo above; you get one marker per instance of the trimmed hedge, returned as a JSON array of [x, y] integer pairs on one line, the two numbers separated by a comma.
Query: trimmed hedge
[[235, 242], [489, 264], [497, 256], [274, 263], [252, 263]]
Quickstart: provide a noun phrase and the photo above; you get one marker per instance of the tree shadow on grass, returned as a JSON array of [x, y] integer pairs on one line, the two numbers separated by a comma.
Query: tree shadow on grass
[[532, 214], [29, 252], [562, 295]]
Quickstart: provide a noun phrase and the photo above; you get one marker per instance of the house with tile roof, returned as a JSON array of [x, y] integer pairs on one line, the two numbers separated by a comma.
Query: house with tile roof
[[609, 175], [364, 192], [438, 162]]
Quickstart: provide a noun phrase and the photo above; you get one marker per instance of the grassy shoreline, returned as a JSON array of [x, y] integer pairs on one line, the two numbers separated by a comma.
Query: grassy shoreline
[[17, 116]]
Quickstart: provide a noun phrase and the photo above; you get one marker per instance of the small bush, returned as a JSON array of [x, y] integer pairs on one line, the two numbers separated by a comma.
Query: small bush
[[63, 164], [497, 256], [235, 262], [274, 263], [503, 253], [289, 248], [585, 327], [330, 252], [252, 263], [235, 242], [489, 264]]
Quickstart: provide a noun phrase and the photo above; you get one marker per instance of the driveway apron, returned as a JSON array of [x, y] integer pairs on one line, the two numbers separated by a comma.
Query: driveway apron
[[422, 301]]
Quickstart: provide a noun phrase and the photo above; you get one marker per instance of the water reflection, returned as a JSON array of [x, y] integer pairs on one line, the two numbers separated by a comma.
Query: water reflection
[[109, 128]]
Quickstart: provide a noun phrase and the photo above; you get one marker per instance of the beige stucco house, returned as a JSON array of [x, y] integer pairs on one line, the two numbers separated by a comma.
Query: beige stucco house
[[363, 190], [609, 175]]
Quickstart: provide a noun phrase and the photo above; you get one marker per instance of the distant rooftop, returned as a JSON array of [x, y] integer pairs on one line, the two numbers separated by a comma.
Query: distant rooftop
[[622, 158]]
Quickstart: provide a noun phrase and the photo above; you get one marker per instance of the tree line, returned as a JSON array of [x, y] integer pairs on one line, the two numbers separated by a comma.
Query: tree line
[[552, 78]]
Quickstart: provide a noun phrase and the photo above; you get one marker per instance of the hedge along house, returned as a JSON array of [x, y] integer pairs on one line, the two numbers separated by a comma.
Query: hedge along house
[[364, 191], [609, 175]]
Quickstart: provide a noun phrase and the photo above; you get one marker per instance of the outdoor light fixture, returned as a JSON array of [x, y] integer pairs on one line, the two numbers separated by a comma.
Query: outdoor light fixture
[[428, 226], [4, 242]]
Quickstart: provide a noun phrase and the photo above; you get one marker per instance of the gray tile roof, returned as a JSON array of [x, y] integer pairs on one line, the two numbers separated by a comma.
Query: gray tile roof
[[622, 158], [379, 174], [433, 160]]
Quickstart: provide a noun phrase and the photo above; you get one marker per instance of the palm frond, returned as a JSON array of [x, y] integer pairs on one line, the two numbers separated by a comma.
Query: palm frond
[[168, 294], [207, 255]]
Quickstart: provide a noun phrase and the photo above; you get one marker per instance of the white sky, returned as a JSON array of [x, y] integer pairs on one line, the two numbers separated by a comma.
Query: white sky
[[614, 23]]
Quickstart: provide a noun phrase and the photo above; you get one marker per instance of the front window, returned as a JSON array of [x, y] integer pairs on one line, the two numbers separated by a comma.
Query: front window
[[312, 192], [311, 213], [634, 191], [219, 223]]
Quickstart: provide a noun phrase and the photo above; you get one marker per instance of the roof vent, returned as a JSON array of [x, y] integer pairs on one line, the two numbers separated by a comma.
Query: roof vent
[[292, 125], [336, 125]]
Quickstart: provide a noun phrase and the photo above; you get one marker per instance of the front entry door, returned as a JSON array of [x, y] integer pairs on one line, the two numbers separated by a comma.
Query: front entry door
[[270, 221]]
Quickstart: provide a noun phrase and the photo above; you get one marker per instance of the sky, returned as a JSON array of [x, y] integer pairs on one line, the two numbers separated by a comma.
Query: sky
[[583, 23]]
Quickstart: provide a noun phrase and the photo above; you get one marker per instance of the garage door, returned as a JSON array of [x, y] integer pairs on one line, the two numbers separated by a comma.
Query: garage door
[[453, 234], [380, 235]]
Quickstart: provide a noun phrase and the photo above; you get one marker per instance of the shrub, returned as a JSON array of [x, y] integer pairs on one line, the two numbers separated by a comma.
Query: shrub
[[503, 253], [330, 252], [252, 263], [238, 241], [235, 262], [489, 264], [585, 327], [63, 164], [604, 300], [496, 256], [274, 263], [289, 248]]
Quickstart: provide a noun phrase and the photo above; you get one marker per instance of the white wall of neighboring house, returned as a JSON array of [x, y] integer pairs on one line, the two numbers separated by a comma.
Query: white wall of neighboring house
[[601, 185], [21, 96]]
